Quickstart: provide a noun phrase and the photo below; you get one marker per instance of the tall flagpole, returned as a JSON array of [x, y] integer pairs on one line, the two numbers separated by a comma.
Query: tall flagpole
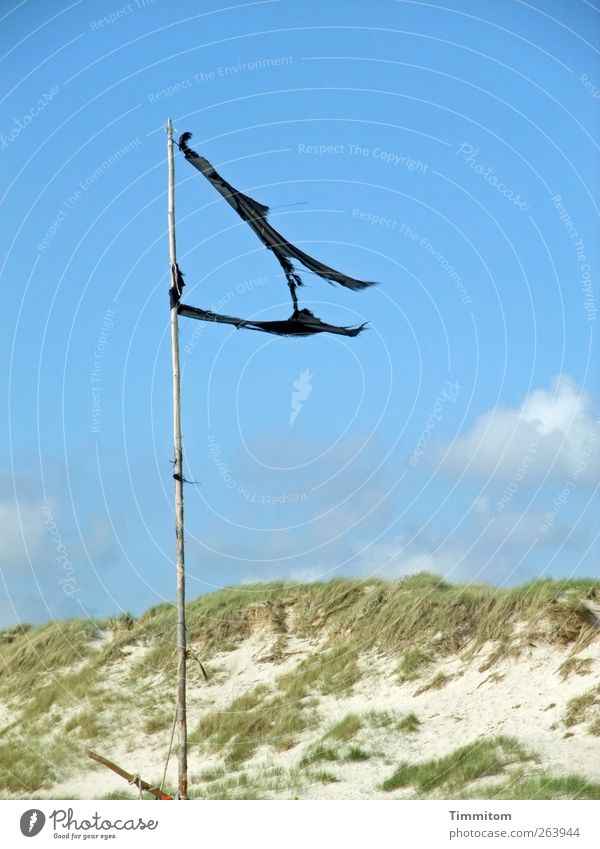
[[178, 476]]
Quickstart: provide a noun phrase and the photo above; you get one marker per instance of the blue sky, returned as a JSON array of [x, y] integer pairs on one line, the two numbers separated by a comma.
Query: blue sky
[[446, 150]]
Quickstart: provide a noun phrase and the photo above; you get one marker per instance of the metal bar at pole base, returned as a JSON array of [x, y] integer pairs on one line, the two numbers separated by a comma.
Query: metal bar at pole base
[[178, 477]]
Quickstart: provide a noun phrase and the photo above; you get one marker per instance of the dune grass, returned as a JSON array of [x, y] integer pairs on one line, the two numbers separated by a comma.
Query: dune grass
[[327, 748], [332, 671], [355, 753], [409, 723], [26, 767], [451, 773], [413, 663], [541, 786], [256, 718], [575, 666], [411, 616], [345, 729], [415, 617], [249, 786], [52, 675], [158, 721], [436, 683], [583, 708], [324, 777], [379, 718], [276, 719], [124, 795], [85, 723], [317, 754]]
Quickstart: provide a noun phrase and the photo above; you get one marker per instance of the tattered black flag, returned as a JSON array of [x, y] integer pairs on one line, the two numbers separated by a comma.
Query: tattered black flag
[[302, 322]]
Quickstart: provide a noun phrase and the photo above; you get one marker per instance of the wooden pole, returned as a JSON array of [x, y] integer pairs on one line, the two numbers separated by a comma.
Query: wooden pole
[[130, 777], [178, 476]]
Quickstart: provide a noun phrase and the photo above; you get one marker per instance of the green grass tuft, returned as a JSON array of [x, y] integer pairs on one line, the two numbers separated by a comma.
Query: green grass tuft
[[318, 754], [413, 664], [452, 772], [355, 753], [536, 787], [409, 723], [379, 718], [436, 683], [324, 777], [85, 723], [346, 728], [254, 719], [581, 708], [27, 767], [120, 794], [158, 722], [575, 666]]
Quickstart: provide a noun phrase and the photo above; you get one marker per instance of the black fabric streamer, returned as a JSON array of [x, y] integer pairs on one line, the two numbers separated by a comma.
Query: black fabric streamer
[[177, 285], [300, 323], [255, 214]]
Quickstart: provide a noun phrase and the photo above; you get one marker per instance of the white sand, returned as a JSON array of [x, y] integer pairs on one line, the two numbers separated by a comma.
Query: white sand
[[521, 697]]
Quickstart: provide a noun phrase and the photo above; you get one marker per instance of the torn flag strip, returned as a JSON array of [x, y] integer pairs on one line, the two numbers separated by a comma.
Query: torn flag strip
[[300, 323]]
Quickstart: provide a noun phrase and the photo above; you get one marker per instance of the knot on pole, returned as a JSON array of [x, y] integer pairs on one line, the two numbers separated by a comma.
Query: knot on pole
[[177, 284]]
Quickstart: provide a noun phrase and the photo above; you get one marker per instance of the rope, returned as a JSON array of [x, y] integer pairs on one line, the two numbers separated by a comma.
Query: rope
[[137, 782], [162, 783]]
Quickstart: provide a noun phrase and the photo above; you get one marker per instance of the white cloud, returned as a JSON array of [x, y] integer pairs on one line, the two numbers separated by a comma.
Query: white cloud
[[553, 431], [397, 558]]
